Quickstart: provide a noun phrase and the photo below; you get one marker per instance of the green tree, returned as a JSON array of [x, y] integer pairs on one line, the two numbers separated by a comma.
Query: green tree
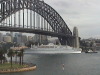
[[22, 50], [2, 55], [10, 54], [16, 53], [20, 57]]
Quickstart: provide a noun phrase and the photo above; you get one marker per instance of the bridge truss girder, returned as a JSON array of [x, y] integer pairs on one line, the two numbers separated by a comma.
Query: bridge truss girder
[[9, 7]]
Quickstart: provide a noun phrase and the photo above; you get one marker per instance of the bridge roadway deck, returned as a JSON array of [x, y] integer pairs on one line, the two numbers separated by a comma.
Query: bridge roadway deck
[[37, 31]]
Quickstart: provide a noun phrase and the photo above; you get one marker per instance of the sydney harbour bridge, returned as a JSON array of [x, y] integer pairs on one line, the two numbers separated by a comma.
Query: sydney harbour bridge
[[33, 16]]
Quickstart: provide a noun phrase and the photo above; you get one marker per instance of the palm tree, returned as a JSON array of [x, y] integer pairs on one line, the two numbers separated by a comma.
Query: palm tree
[[1, 56], [22, 50], [16, 53], [20, 56], [4, 49], [10, 54]]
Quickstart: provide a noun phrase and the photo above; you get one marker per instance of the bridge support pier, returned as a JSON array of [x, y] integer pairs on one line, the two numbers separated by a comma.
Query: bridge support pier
[[76, 38]]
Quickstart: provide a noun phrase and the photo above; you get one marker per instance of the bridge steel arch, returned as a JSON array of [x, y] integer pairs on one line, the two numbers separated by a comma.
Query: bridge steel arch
[[8, 7]]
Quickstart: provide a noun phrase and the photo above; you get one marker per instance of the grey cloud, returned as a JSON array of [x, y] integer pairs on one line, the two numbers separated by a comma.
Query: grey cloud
[[84, 14]]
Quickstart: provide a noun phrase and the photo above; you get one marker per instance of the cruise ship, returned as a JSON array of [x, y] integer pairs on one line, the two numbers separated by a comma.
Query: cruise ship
[[52, 49]]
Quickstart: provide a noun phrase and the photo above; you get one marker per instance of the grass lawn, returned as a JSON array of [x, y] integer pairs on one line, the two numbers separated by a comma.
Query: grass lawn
[[8, 66]]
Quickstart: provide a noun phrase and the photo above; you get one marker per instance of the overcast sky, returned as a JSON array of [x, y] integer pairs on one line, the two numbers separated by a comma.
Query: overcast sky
[[84, 14]]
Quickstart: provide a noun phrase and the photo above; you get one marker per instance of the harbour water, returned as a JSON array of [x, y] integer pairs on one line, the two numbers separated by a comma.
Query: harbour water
[[63, 64]]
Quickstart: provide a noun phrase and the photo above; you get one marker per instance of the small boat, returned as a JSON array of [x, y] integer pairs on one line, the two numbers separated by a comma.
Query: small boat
[[91, 51]]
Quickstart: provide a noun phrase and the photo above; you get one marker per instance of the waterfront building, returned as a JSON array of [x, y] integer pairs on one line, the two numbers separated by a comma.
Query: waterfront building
[[8, 34], [11, 33], [89, 42], [18, 37], [53, 40], [15, 39], [97, 46], [7, 38], [42, 39], [36, 38], [30, 38], [24, 39], [1, 37]]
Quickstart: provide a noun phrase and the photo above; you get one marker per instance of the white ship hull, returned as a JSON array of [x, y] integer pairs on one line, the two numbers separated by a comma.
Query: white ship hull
[[52, 49]]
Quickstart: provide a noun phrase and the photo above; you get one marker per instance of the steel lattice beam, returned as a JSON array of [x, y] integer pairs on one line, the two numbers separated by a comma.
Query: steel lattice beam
[[8, 7]]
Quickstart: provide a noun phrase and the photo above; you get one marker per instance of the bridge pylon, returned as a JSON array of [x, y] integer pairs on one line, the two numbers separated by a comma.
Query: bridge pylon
[[76, 38]]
